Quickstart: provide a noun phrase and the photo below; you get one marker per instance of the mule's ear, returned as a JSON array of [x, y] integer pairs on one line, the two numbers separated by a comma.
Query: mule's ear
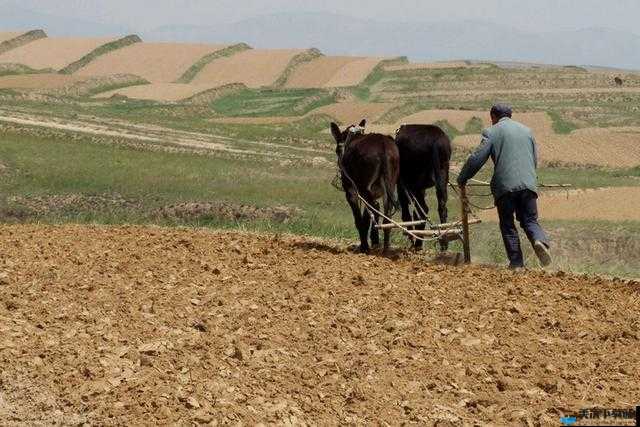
[[335, 131], [363, 123]]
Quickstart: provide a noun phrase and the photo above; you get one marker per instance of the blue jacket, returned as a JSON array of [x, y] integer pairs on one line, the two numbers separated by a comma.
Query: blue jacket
[[512, 148]]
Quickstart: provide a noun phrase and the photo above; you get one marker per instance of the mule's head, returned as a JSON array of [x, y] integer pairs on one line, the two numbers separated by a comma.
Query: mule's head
[[344, 137]]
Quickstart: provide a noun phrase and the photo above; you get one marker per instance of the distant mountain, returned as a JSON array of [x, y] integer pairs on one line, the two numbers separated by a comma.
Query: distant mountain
[[337, 34], [14, 17]]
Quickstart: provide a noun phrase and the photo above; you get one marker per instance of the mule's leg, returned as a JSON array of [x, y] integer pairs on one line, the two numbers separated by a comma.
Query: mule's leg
[[388, 211], [375, 234], [404, 206], [423, 212], [441, 193], [352, 199]]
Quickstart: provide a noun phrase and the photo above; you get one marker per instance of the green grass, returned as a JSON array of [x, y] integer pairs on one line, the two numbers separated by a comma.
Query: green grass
[[272, 102], [560, 125], [41, 167], [18, 69]]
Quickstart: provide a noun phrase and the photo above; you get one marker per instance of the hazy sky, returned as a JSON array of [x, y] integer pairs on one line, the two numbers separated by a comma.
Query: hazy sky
[[537, 15]]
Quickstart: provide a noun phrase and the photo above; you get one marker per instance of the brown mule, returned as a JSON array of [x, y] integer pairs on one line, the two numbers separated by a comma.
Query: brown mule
[[369, 166]]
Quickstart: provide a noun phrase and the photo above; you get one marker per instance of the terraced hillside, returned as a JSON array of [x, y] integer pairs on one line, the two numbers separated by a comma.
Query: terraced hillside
[[52, 53], [254, 68], [155, 62], [332, 71]]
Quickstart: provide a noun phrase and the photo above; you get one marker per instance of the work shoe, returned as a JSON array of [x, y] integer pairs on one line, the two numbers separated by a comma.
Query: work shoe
[[542, 252]]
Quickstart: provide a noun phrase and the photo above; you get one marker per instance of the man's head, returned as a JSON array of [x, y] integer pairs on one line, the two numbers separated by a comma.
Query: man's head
[[499, 111]]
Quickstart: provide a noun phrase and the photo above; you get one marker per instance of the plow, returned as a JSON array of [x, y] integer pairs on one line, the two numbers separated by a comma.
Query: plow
[[452, 231]]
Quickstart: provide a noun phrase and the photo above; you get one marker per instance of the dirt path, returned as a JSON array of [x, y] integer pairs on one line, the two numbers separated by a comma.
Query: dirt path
[[165, 326]]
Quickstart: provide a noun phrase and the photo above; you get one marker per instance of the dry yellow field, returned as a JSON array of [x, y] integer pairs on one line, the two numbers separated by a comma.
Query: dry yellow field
[[54, 53], [38, 81], [254, 68], [605, 204], [162, 92], [332, 71], [8, 35], [609, 147], [353, 73], [155, 62]]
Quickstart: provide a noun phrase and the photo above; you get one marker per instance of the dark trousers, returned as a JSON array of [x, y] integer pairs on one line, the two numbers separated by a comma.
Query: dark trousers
[[524, 205]]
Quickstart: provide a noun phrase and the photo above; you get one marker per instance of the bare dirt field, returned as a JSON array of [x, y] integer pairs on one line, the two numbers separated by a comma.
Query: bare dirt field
[[38, 81], [164, 326], [155, 62], [332, 71], [254, 68], [604, 204], [54, 53]]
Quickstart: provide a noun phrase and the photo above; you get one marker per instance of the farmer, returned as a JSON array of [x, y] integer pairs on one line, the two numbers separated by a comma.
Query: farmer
[[512, 148]]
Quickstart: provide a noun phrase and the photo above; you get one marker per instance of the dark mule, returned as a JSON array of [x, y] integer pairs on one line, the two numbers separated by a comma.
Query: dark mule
[[369, 166], [425, 154]]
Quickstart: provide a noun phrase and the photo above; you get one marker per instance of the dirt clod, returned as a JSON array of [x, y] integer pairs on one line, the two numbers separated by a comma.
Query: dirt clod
[[291, 337]]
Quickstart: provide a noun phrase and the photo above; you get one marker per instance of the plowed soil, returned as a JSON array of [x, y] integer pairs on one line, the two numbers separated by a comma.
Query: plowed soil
[[332, 71], [165, 326], [155, 62], [54, 53], [254, 68]]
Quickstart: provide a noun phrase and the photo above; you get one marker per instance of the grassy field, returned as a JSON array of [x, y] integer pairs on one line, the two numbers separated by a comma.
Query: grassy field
[[54, 180]]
